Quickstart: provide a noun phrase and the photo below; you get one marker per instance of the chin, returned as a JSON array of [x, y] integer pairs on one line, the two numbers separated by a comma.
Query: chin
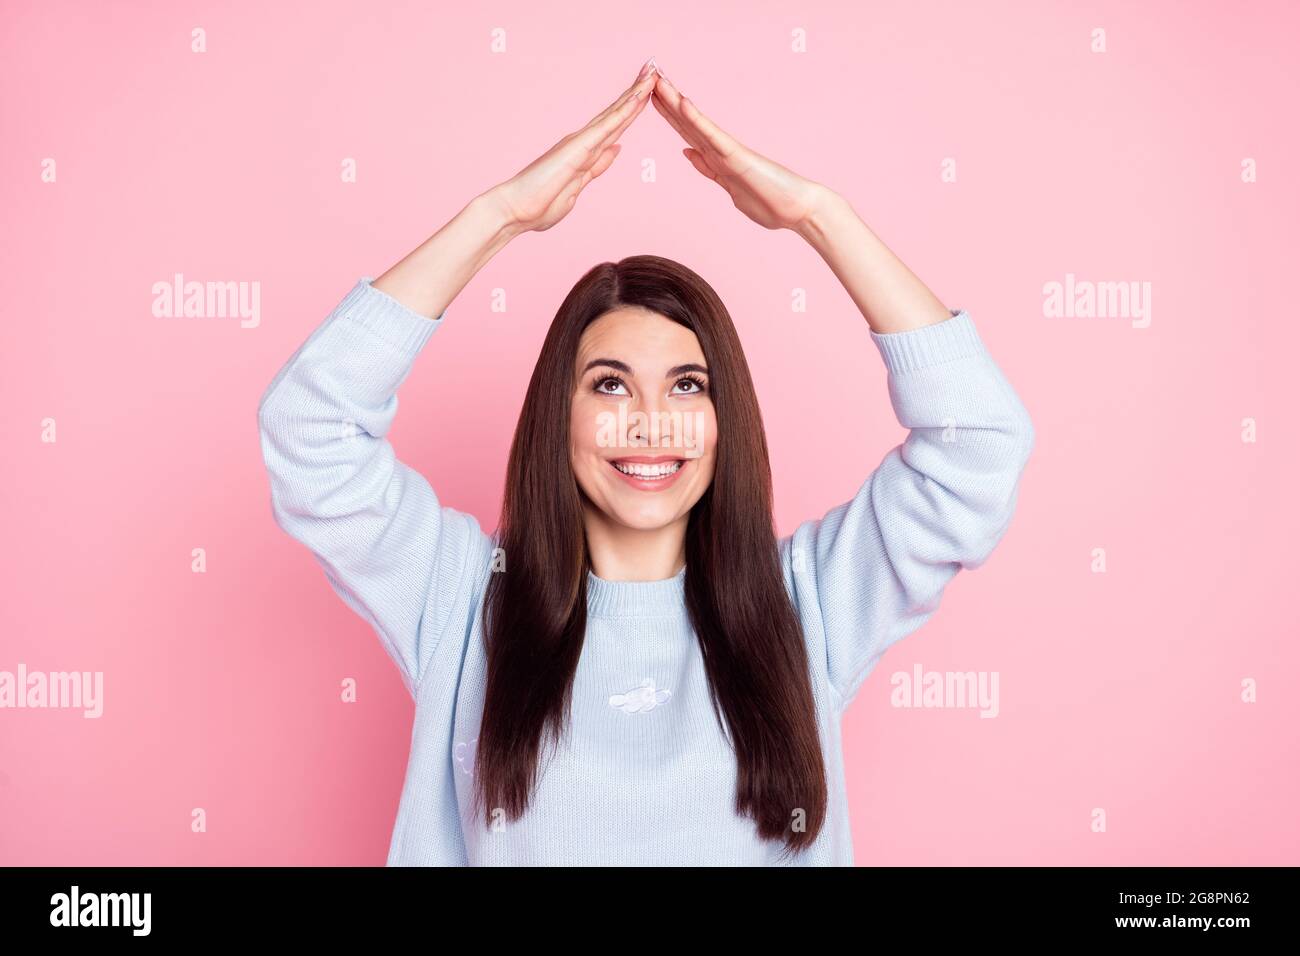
[[643, 525], [628, 515]]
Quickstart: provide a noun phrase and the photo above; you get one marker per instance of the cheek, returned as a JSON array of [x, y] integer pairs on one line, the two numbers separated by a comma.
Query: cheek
[[708, 435], [705, 438], [584, 434]]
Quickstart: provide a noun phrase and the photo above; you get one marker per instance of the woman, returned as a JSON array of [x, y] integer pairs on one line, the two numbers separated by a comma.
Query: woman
[[632, 669]]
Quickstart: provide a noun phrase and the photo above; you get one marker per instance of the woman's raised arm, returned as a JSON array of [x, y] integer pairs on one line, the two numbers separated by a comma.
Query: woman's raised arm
[[390, 549], [873, 569]]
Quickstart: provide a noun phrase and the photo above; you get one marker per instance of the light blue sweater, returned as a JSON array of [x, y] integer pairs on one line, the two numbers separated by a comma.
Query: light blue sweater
[[645, 776]]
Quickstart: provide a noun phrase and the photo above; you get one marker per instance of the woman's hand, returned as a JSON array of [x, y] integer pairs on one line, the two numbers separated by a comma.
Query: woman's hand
[[541, 194], [765, 191]]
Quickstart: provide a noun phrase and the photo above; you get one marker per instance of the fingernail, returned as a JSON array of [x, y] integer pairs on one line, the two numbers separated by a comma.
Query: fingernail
[[646, 67]]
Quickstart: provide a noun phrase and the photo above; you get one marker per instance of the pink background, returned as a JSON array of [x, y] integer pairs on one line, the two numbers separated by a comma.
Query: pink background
[[1118, 691]]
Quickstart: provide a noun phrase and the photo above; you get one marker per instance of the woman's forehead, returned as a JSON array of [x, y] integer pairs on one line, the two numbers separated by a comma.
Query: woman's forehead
[[631, 333]]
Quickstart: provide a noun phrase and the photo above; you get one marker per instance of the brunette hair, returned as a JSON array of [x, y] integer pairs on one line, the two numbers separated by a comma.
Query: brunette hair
[[535, 613]]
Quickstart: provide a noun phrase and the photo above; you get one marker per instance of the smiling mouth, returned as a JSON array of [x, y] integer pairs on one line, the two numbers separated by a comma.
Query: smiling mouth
[[647, 472]]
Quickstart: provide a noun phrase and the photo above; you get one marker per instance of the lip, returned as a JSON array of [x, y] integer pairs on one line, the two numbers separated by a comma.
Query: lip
[[650, 484], [648, 459]]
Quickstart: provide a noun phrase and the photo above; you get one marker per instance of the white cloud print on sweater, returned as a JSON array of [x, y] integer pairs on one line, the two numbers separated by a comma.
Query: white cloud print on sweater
[[641, 699]]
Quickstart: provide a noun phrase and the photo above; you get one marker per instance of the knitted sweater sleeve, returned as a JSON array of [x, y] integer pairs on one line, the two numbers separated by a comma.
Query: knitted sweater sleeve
[[390, 550], [872, 570]]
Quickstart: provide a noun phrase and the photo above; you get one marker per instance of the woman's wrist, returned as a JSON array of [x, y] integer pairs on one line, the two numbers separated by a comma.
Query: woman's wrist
[[826, 209], [434, 273], [496, 210]]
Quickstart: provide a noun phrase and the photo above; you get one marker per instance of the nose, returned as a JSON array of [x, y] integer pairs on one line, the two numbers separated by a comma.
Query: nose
[[647, 422]]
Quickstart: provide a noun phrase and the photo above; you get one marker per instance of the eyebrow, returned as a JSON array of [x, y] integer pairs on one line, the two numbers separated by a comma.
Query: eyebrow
[[624, 367]]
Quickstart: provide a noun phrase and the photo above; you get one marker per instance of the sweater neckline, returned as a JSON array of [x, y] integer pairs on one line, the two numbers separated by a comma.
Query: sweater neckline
[[663, 597]]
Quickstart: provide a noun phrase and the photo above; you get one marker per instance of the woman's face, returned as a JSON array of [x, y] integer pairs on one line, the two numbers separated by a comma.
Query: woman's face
[[643, 429]]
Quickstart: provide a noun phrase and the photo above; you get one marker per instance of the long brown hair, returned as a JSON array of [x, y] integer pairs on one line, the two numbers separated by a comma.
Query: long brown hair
[[535, 613]]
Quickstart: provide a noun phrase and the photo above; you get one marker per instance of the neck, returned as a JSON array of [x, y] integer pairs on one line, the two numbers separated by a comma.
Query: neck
[[620, 553]]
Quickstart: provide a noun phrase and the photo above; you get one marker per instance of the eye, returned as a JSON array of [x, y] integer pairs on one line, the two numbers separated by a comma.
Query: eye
[[610, 385], [695, 385]]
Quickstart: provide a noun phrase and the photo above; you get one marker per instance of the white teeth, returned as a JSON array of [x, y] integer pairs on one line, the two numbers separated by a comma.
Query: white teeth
[[650, 472]]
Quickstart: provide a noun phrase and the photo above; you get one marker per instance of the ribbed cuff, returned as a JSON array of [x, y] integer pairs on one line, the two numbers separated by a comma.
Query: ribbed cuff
[[379, 313], [933, 344]]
